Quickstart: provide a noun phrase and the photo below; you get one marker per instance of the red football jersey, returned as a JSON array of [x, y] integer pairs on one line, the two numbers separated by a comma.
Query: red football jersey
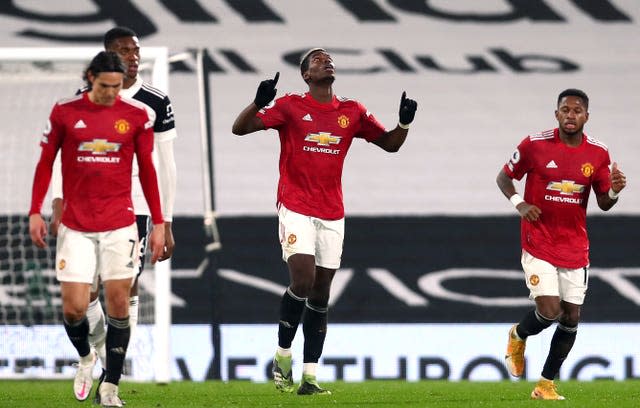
[[98, 143], [314, 140], [559, 180]]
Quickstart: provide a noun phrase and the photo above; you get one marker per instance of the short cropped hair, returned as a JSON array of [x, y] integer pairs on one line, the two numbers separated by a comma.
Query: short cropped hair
[[304, 61], [574, 92], [104, 61], [115, 33]]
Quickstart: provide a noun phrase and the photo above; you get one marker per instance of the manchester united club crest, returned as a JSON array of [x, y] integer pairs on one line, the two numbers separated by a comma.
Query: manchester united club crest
[[122, 126], [534, 280], [343, 121], [587, 169], [62, 264], [291, 239]]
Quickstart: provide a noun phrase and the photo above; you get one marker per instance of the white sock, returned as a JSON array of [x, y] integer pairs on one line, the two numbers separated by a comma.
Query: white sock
[[97, 330], [133, 316], [309, 369], [282, 352]]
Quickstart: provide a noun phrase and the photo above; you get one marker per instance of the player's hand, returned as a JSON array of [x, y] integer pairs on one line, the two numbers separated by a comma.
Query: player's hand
[[266, 91], [169, 243], [37, 230], [618, 179], [407, 109], [156, 242], [529, 211], [56, 216]]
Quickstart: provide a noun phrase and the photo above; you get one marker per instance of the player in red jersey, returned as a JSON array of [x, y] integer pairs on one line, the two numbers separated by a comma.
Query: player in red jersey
[[98, 133], [124, 42], [562, 166], [316, 130]]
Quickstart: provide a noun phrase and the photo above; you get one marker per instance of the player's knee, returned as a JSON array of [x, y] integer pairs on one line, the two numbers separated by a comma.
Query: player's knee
[[570, 318], [550, 311], [73, 314], [301, 287]]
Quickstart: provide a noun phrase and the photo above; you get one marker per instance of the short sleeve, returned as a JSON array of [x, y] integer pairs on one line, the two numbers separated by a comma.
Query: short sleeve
[[519, 163], [273, 115], [164, 119], [601, 181], [370, 128]]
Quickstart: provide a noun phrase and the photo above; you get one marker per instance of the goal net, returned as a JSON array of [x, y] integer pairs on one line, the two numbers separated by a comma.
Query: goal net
[[33, 342]]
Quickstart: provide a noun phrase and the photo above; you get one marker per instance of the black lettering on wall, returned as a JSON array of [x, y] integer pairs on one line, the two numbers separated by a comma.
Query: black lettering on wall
[[120, 12], [189, 11], [536, 10], [478, 64], [366, 10], [601, 10], [518, 62], [255, 11]]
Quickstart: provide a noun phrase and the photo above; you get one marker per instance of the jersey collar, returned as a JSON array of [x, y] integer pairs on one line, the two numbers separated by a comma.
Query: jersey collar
[[133, 89], [333, 105]]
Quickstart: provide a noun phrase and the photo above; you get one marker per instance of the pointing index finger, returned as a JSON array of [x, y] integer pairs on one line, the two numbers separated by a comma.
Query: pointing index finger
[[404, 96], [275, 78]]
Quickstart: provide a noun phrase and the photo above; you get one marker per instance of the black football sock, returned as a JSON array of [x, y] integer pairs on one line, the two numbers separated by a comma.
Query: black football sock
[[532, 324], [561, 345], [291, 308], [78, 333], [314, 327], [118, 332]]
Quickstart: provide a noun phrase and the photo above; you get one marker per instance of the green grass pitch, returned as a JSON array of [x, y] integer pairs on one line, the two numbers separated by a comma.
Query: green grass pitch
[[591, 394]]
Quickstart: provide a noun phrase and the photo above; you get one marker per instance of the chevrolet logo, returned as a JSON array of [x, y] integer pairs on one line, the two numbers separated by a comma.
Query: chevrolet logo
[[323, 138], [566, 187], [99, 146]]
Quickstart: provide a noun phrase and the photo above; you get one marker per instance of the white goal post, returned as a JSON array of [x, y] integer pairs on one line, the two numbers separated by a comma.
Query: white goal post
[[15, 204]]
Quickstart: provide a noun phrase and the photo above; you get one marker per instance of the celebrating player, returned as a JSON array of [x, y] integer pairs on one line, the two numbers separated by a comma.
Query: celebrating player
[[562, 165], [124, 42], [316, 130], [98, 133]]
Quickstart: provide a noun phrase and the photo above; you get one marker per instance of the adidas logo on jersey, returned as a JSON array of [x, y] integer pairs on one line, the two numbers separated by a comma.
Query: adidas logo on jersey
[[552, 165], [79, 125], [307, 118]]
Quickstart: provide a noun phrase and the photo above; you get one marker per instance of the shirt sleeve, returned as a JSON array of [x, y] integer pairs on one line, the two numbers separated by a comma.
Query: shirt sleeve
[[147, 172], [273, 115], [50, 144], [519, 164], [167, 176], [164, 121], [602, 176], [370, 128], [56, 178]]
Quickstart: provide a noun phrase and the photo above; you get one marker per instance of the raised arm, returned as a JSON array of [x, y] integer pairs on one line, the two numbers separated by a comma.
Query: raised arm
[[392, 140], [527, 211], [247, 121]]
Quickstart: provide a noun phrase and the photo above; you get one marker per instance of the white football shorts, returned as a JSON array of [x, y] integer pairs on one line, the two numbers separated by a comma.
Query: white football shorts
[[83, 256], [544, 279], [302, 234]]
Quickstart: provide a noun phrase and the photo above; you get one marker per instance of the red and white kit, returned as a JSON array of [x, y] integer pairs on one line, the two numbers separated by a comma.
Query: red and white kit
[[314, 140], [559, 181]]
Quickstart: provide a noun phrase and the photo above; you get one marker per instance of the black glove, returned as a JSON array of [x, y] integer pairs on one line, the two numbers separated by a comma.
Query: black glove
[[266, 91], [407, 110]]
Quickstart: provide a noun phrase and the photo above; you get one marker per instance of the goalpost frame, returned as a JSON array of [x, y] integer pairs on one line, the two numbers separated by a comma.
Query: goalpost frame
[[160, 80]]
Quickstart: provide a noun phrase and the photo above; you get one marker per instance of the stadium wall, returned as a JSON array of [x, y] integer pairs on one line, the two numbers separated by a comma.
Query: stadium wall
[[422, 298]]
